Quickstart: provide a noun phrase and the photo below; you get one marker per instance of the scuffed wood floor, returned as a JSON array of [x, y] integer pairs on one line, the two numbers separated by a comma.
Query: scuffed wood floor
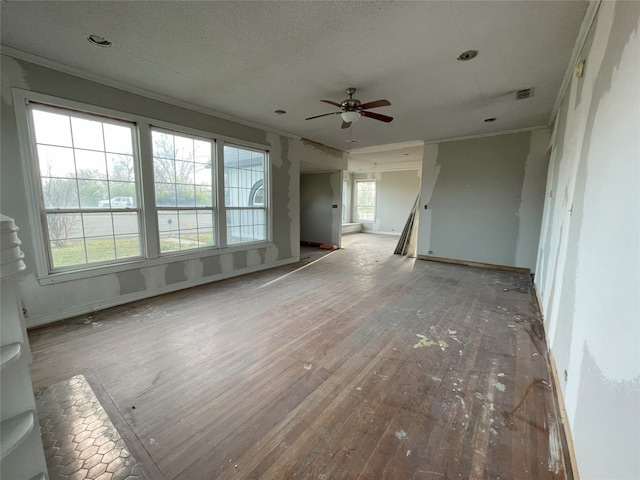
[[360, 365]]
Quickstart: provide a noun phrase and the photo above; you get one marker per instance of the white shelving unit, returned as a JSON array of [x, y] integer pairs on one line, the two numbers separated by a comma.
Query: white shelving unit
[[21, 452]]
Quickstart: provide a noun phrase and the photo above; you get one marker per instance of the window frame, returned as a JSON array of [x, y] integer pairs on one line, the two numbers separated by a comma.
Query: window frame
[[146, 190], [266, 206], [213, 209], [82, 210], [356, 204]]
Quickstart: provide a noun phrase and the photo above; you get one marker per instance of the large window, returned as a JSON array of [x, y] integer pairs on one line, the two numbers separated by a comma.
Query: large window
[[88, 187], [365, 200], [183, 177], [244, 194], [110, 190]]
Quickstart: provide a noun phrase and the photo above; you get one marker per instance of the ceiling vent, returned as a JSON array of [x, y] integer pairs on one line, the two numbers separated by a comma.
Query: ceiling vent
[[525, 93]]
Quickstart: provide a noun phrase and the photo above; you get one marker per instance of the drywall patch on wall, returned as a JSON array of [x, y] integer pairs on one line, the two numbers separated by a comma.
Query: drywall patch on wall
[[532, 199], [131, 281], [284, 199], [175, 273], [211, 266], [603, 398], [193, 269], [239, 260], [13, 76], [254, 258], [476, 198], [154, 276], [429, 177], [591, 283], [226, 262]]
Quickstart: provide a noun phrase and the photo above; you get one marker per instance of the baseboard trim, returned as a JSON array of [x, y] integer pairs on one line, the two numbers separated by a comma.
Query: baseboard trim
[[469, 263], [571, 463]]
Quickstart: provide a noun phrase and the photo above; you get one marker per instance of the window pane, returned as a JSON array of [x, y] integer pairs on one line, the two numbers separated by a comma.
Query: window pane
[[77, 174], [92, 192], [117, 139], [183, 178], [125, 223], [165, 195], [90, 164], [365, 200], [87, 134], [52, 128], [56, 161], [59, 193], [244, 173], [127, 246], [121, 167]]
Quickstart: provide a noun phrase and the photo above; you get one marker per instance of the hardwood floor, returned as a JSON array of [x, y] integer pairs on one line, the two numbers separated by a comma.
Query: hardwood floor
[[359, 365]]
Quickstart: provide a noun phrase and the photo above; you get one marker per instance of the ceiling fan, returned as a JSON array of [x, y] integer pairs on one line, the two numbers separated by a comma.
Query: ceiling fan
[[352, 109]]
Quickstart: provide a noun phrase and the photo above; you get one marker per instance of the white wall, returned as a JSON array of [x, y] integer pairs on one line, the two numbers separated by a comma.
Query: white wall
[[46, 302], [589, 252], [481, 199], [396, 193]]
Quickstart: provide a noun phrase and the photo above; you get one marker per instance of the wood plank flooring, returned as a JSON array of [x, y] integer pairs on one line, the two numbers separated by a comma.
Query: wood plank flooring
[[354, 364]]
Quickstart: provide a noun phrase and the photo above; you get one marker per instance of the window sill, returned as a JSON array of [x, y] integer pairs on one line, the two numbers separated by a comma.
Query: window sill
[[89, 272]]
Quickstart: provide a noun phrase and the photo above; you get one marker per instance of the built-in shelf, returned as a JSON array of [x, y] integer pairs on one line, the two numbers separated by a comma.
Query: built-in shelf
[[9, 354], [14, 430]]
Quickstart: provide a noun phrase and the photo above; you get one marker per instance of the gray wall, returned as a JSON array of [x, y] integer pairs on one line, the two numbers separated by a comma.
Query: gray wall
[[484, 198], [49, 302], [396, 193], [319, 221], [589, 254]]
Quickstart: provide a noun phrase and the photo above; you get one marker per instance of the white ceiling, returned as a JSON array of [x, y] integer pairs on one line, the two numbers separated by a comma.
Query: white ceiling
[[248, 59]]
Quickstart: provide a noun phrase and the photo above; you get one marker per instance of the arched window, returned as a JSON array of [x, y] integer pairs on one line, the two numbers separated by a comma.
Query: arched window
[[256, 195]]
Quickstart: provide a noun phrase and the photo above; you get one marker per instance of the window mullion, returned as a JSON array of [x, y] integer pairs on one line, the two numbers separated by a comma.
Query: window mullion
[[222, 211], [149, 211]]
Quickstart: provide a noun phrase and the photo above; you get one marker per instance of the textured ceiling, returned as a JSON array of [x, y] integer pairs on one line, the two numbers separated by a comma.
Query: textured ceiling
[[247, 59]]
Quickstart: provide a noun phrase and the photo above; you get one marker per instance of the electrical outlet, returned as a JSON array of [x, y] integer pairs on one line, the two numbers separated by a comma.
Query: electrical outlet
[[566, 375]]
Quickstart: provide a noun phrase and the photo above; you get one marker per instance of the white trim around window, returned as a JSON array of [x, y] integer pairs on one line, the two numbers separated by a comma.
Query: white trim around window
[[142, 202]]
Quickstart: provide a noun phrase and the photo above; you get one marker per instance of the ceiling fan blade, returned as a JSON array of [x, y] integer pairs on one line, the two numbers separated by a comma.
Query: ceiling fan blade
[[332, 103], [323, 115], [377, 116], [377, 103], [346, 124]]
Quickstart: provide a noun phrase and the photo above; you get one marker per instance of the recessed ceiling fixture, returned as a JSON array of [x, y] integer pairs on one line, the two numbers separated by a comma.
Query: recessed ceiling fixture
[[99, 41], [490, 119], [468, 55], [280, 112]]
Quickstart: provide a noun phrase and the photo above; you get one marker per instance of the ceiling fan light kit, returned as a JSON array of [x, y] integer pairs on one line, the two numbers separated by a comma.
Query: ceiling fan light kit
[[350, 117], [352, 109]]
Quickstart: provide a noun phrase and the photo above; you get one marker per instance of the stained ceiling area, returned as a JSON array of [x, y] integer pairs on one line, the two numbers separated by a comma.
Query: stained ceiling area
[[246, 60]]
